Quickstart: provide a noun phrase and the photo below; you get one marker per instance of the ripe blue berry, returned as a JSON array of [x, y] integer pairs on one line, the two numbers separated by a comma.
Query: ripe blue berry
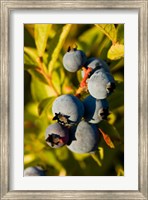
[[34, 171], [68, 110], [56, 135], [95, 109], [84, 138], [101, 84], [74, 59], [97, 63]]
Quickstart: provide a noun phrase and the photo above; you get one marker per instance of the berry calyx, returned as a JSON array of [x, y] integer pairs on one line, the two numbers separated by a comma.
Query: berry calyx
[[56, 135]]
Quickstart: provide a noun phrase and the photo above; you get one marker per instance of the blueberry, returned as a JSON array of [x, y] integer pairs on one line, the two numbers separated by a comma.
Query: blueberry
[[74, 59], [68, 110], [97, 63], [101, 84], [91, 65], [34, 171], [56, 135], [95, 109], [84, 138]]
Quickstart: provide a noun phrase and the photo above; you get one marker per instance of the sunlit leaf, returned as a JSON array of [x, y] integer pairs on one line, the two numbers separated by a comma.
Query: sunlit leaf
[[37, 73], [59, 46], [79, 157], [119, 77], [45, 104], [31, 109], [111, 118], [103, 48], [120, 33], [119, 170], [62, 172], [41, 32], [109, 30], [28, 39], [50, 158], [31, 58], [30, 55], [40, 90], [101, 152], [62, 153], [96, 158], [30, 29], [53, 43], [28, 158], [117, 65], [116, 52], [95, 38], [29, 63], [57, 80]]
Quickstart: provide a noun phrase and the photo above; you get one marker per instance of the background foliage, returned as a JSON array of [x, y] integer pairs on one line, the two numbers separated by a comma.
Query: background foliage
[[45, 78]]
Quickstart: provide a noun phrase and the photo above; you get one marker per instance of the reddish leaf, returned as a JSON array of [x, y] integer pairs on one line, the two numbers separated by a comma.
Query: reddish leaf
[[107, 139]]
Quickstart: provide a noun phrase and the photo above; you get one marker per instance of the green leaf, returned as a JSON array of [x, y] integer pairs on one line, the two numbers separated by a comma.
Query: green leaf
[[119, 170], [41, 33], [59, 46], [34, 65], [101, 152], [109, 30], [57, 80], [40, 90], [116, 52], [30, 29], [36, 72], [30, 56], [96, 158], [28, 62], [103, 48], [116, 99], [27, 67], [117, 65], [53, 43], [120, 33], [95, 38], [45, 104], [28, 37]]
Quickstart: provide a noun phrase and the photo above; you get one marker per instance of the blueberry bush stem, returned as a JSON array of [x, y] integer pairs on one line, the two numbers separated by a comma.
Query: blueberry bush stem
[[86, 75], [47, 76]]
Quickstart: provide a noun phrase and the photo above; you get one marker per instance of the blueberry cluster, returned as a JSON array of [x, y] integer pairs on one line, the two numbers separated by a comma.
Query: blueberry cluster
[[77, 119]]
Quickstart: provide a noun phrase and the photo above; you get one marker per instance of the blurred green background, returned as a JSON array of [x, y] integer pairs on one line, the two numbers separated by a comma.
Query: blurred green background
[[45, 78]]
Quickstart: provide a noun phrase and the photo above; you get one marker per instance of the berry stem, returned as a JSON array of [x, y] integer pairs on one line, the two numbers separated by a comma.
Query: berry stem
[[83, 85], [80, 90], [86, 74]]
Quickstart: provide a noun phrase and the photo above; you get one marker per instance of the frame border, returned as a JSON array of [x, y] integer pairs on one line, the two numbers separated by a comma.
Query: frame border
[[142, 7]]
